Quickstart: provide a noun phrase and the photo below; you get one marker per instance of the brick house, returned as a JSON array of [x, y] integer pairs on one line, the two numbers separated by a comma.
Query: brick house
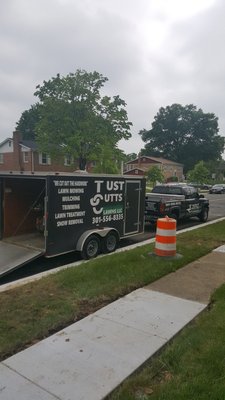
[[142, 164], [22, 155]]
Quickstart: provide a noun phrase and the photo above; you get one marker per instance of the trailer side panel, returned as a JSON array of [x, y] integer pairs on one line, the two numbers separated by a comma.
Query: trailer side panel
[[80, 203]]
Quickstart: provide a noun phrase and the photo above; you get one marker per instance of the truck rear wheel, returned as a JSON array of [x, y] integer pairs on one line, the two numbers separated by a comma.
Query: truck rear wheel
[[110, 242], [173, 216], [91, 247], [203, 216]]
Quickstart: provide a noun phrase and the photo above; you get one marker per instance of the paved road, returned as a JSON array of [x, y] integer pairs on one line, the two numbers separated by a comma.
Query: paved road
[[217, 205], [217, 210]]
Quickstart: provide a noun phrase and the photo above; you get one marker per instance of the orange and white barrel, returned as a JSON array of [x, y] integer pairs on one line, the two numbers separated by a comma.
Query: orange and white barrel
[[165, 240]]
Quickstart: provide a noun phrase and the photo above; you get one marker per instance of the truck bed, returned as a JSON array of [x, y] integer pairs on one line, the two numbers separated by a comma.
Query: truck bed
[[163, 197]]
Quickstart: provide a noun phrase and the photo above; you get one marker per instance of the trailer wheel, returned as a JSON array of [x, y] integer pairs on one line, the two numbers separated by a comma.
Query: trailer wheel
[[110, 242], [91, 247]]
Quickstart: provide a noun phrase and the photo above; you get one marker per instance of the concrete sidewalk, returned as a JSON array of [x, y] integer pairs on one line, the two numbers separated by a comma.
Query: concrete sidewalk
[[92, 357]]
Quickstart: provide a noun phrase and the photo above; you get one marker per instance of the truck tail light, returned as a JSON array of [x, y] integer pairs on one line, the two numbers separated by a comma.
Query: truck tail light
[[162, 208]]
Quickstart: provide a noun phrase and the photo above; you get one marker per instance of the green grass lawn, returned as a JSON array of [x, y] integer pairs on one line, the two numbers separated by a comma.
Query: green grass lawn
[[33, 311]]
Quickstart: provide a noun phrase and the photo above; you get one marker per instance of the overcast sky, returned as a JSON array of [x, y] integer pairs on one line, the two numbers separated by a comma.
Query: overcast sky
[[154, 53]]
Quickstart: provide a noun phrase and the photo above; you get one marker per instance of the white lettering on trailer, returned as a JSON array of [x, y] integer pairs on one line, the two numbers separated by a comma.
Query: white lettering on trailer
[[78, 183], [109, 198], [61, 183], [62, 223], [60, 215], [76, 191], [114, 185], [71, 198], [95, 202], [99, 183], [70, 207], [70, 183], [75, 214], [110, 187], [69, 191], [75, 221], [63, 191]]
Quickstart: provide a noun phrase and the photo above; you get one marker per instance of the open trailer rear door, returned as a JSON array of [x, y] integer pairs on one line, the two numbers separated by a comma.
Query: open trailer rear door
[[22, 227], [13, 256]]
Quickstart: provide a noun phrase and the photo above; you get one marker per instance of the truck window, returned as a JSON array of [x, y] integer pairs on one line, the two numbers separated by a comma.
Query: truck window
[[167, 190], [175, 190], [193, 193], [159, 189]]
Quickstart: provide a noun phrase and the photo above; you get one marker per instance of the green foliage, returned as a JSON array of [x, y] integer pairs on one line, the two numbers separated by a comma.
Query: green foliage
[[216, 170], [183, 134], [130, 157], [28, 121], [172, 179], [109, 161], [199, 174], [154, 174], [74, 119]]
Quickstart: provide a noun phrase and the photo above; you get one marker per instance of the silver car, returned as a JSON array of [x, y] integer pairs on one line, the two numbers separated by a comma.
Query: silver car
[[219, 188]]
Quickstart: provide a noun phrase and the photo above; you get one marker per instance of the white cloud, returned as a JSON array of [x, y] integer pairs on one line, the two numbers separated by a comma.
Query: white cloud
[[154, 53]]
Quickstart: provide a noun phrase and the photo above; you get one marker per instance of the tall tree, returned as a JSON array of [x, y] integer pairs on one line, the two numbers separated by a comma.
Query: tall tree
[[130, 157], [109, 160], [28, 121], [154, 174], [199, 173], [76, 120], [183, 134]]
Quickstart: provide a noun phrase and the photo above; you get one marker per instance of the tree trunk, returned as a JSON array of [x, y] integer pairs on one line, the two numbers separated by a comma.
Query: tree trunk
[[82, 163]]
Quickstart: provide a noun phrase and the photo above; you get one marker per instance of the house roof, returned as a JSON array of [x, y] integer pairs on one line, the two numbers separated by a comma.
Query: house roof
[[159, 160], [5, 141], [135, 169], [31, 144]]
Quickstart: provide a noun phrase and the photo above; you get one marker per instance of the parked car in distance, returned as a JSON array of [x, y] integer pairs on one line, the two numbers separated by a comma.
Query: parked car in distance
[[218, 188], [206, 186], [201, 186]]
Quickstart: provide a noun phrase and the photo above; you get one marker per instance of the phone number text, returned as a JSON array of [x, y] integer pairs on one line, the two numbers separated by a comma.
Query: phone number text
[[107, 218]]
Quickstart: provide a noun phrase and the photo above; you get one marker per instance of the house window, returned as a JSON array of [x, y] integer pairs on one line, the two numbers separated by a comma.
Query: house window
[[68, 160], [44, 159], [25, 156], [1, 158], [130, 166]]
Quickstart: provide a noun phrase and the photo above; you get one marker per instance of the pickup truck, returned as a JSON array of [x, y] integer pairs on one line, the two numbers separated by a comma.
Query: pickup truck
[[178, 201]]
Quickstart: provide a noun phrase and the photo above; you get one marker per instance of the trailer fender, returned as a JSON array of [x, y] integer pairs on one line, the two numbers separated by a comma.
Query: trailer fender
[[100, 232]]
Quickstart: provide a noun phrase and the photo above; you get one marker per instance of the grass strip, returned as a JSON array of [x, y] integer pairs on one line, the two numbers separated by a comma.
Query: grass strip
[[36, 310]]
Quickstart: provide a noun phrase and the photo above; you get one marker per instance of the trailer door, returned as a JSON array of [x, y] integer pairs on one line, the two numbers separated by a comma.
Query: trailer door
[[132, 207], [14, 256]]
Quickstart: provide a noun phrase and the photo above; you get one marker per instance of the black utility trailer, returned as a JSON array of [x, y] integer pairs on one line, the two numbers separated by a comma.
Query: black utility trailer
[[51, 214]]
